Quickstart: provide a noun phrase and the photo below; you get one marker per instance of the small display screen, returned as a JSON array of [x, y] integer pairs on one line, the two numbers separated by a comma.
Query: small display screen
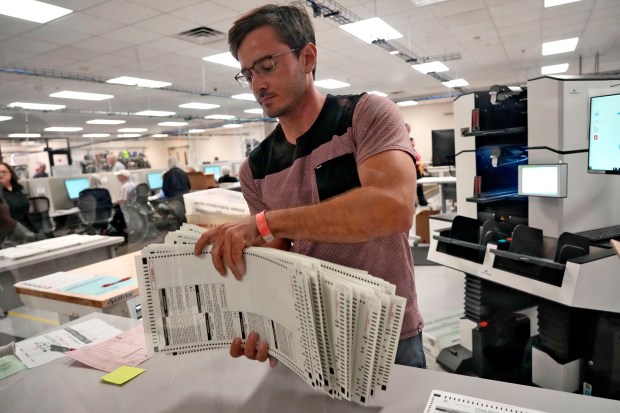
[[543, 180]]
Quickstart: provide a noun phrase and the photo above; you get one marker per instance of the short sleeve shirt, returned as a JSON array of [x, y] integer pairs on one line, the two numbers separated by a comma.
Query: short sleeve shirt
[[322, 164]]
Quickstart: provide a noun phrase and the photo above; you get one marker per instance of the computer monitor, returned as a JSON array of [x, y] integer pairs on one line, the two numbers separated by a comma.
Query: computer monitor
[[543, 180], [604, 135], [74, 186], [213, 169], [155, 180], [443, 147]]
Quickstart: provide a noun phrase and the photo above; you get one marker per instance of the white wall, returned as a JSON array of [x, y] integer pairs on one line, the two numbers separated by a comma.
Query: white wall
[[423, 119]]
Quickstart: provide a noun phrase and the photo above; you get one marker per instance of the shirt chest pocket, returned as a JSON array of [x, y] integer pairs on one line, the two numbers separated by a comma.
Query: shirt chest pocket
[[336, 176]]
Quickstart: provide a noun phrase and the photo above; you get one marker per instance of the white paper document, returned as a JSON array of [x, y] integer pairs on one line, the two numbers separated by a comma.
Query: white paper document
[[336, 327], [444, 402], [42, 349]]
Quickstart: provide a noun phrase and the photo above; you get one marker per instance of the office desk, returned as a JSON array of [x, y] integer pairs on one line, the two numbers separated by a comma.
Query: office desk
[[214, 382], [442, 181], [119, 301], [16, 270]]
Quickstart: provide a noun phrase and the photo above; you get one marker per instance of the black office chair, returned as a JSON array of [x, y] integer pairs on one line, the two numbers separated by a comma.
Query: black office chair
[[96, 209], [40, 216], [144, 207]]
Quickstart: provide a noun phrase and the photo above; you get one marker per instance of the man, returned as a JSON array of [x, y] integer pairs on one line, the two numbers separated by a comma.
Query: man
[[127, 195], [335, 180], [226, 177], [114, 164], [40, 171], [175, 180]]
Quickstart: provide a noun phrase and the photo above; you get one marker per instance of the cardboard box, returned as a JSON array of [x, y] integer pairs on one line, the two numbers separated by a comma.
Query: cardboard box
[[422, 227]]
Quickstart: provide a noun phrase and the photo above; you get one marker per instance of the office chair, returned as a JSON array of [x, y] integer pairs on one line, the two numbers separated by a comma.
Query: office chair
[[40, 216], [96, 209], [144, 207], [171, 213]]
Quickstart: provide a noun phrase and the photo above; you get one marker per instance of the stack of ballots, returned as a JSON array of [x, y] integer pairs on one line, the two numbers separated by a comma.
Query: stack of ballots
[[336, 327]]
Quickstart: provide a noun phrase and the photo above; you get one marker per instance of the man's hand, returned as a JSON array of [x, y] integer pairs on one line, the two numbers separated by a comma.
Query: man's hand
[[229, 241], [253, 349]]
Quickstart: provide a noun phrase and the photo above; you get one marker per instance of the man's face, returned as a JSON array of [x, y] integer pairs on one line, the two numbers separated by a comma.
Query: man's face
[[280, 91]]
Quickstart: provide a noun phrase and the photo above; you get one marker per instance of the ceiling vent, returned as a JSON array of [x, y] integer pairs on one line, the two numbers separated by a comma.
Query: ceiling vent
[[202, 35]]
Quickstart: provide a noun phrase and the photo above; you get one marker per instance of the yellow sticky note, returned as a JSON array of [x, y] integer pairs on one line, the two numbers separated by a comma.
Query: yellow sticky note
[[122, 374]]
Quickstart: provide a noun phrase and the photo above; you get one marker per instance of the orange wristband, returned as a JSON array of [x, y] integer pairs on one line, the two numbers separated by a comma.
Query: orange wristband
[[263, 228]]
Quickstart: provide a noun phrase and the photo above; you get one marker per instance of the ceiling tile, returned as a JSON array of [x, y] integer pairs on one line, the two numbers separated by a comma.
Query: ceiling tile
[[122, 12]]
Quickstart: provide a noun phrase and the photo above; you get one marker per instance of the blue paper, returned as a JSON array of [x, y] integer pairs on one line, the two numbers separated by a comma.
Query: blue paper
[[94, 286]]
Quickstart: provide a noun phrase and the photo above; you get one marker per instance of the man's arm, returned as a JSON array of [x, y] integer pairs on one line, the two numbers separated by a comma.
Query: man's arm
[[382, 206]]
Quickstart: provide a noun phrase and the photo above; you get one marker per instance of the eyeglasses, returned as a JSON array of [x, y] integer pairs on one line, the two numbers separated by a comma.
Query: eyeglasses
[[261, 67]]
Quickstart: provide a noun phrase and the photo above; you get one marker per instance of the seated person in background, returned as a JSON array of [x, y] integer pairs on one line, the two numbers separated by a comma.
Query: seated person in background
[[175, 180], [14, 196], [226, 177], [127, 196], [40, 171], [128, 188], [113, 164]]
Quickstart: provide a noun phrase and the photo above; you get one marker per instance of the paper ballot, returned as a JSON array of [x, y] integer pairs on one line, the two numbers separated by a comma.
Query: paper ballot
[[336, 327]]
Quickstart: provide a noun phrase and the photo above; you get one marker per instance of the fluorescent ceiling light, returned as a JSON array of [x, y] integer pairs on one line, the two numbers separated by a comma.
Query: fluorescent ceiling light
[[372, 29], [455, 83], [3, 118], [197, 105], [63, 129], [24, 135], [330, 84], [155, 113], [407, 103], [553, 3], [394, 52], [136, 81], [560, 46], [421, 3], [549, 70], [95, 135], [195, 131], [105, 122], [232, 126], [172, 124], [376, 92], [225, 59], [220, 117], [128, 135], [132, 130], [431, 67], [31, 10], [257, 111], [244, 96], [159, 135], [67, 94], [35, 106]]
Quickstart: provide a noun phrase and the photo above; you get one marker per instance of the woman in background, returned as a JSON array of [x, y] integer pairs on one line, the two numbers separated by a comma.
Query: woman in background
[[14, 196]]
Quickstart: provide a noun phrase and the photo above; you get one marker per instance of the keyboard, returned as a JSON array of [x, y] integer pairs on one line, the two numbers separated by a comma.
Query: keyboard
[[601, 234]]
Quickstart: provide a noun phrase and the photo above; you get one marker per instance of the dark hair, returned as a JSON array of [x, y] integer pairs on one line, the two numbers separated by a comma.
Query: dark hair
[[292, 24], [16, 185]]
